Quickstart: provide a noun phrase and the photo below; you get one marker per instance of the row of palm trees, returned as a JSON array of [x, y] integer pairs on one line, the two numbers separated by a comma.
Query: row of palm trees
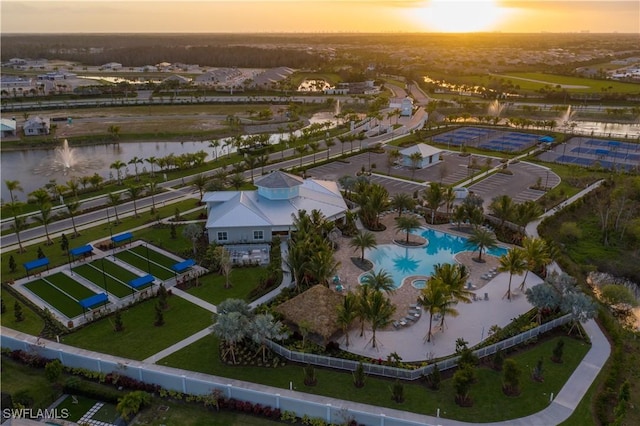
[[311, 251], [369, 304]]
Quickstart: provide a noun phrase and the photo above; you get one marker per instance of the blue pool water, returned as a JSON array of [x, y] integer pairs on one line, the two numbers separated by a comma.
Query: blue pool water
[[401, 262]]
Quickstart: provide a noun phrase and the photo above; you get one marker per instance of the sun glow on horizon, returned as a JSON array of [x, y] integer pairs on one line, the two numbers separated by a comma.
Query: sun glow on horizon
[[454, 16]]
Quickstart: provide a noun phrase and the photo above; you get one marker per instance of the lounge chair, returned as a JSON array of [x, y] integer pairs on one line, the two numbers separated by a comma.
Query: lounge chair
[[415, 306], [396, 324]]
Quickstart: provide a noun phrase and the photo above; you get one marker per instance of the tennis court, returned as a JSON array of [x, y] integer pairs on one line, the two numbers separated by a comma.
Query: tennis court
[[150, 265], [63, 300], [589, 152], [116, 277], [490, 139]]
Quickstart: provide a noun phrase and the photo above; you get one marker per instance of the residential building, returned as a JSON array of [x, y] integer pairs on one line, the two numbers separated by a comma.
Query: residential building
[[8, 127], [35, 126]]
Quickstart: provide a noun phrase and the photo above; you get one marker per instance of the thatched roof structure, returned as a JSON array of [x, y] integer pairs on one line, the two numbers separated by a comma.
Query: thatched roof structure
[[318, 307]]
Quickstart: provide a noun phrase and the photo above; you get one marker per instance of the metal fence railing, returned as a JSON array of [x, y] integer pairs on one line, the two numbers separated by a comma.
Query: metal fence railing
[[405, 374]]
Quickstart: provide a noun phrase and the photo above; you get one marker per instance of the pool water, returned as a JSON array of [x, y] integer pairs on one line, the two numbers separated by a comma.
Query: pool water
[[401, 262]]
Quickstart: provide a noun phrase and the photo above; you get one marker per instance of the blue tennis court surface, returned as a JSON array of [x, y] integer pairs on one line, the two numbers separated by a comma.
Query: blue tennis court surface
[[491, 139]]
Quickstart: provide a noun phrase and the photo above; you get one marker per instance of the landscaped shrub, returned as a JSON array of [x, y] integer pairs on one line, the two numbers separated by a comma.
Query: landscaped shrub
[[498, 360], [557, 352], [76, 386], [511, 378], [359, 376], [538, 371], [310, 378], [397, 392], [462, 381], [53, 370], [434, 378]]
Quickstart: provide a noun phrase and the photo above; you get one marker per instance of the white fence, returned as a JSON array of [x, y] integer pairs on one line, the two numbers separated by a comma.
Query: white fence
[[404, 374]]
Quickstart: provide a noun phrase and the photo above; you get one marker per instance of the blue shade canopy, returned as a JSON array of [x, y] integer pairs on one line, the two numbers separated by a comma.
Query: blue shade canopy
[[94, 300], [141, 281], [122, 237], [77, 251], [183, 266], [546, 139], [36, 263]]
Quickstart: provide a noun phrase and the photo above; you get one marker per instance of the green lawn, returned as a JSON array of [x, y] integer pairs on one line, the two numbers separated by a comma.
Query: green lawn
[[31, 324], [60, 301], [107, 413], [115, 285], [490, 404], [58, 257], [70, 286], [140, 262], [140, 338], [19, 378], [195, 415], [155, 256], [243, 280]]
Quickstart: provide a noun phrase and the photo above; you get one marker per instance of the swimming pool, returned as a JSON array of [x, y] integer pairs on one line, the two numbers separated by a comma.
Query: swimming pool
[[400, 262]]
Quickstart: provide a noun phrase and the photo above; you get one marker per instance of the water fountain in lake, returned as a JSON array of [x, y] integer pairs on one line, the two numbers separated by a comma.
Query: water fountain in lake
[[495, 108], [66, 161], [566, 118], [338, 109]]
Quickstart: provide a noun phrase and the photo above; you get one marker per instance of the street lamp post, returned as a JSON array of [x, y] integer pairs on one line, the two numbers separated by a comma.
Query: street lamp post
[[104, 278], [69, 257], [148, 263]]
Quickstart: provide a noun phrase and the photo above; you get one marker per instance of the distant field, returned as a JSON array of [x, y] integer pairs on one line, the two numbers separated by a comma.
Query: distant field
[[552, 80], [543, 80]]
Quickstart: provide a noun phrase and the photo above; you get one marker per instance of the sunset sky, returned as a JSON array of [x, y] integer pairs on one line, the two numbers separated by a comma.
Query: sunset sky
[[84, 16]]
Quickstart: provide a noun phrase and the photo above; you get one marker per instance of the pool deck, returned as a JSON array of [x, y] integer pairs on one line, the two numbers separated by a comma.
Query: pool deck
[[472, 324]]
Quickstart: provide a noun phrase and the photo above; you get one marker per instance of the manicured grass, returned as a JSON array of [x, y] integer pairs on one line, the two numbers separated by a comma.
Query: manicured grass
[[140, 338], [194, 415], [243, 280], [93, 272], [154, 256], [58, 257], [592, 85], [141, 263], [31, 324], [60, 301], [490, 404], [79, 409], [70, 286], [19, 378]]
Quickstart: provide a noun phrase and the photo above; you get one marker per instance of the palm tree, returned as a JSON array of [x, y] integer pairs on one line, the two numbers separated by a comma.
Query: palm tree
[[43, 200], [536, 254], [363, 296], [415, 159], [250, 162], [380, 313], [263, 160], [379, 281], [454, 277], [502, 207], [135, 161], [45, 219], [74, 186], [114, 199], [215, 144], [392, 158], [117, 165], [448, 197], [432, 296], [152, 161], [329, 142], [200, 182], [152, 191], [13, 185], [231, 328], [364, 240], [236, 180], [263, 328], [134, 192], [296, 262], [347, 313], [407, 224], [19, 222], [433, 198], [514, 263], [322, 265], [73, 207], [482, 240], [402, 201]]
